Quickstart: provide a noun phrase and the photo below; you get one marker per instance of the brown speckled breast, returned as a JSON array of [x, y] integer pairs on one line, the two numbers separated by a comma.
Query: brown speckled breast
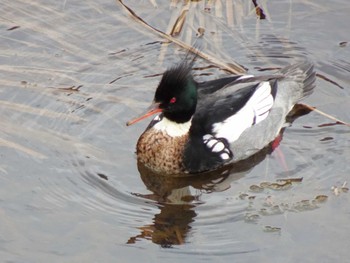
[[161, 152]]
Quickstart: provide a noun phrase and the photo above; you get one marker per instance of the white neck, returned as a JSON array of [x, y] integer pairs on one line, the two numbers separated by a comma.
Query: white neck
[[172, 128]]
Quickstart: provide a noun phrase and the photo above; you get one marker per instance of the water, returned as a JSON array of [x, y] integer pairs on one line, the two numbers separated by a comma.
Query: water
[[72, 73]]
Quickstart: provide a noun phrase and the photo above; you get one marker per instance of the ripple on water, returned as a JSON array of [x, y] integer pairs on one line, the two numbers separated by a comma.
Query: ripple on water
[[94, 194]]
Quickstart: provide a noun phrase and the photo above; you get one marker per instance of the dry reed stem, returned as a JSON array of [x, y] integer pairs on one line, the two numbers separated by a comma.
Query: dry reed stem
[[325, 114], [232, 67]]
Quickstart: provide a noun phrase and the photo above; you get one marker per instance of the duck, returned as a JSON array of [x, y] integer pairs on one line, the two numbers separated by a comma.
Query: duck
[[202, 126]]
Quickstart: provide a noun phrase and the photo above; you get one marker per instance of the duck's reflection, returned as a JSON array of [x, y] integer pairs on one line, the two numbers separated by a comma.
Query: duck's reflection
[[177, 198], [170, 226]]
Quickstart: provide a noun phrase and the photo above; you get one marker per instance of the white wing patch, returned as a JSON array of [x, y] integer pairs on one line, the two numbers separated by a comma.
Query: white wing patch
[[254, 111], [261, 102], [217, 146]]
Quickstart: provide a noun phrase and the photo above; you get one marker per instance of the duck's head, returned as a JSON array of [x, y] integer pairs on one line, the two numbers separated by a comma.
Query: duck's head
[[175, 97]]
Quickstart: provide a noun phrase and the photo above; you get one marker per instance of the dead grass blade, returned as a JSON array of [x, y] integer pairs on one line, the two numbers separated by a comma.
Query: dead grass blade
[[329, 80], [325, 114], [231, 67], [179, 23]]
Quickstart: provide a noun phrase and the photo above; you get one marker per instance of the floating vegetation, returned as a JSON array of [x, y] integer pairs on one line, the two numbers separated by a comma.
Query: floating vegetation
[[13, 28], [304, 205], [256, 189], [243, 196], [337, 190], [276, 186], [269, 205], [274, 210], [281, 184], [71, 88], [323, 113], [328, 138], [291, 180], [177, 28], [272, 229], [321, 198], [251, 218], [258, 10], [299, 206], [343, 43]]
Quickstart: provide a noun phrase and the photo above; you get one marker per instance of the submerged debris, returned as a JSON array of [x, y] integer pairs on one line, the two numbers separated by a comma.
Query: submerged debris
[[271, 229], [13, 28], [256, 189], [243, 196], [276, 186], [272, 207], [258, 10], [251, 218], [343, 43], [70, 88], [321, 198], [291, 180], [338, 190], [103, 176]]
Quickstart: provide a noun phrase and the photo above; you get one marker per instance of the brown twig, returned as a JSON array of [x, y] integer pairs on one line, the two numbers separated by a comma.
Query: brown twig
[[325, 114]]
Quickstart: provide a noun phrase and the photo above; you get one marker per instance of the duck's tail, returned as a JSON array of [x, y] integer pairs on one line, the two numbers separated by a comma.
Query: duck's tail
[[303, 73]]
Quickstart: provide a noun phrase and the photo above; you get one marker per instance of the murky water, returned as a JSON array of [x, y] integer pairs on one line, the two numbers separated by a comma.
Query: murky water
[[73, 72]]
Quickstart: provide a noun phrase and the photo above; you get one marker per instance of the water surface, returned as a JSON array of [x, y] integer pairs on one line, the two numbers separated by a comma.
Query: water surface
[[73, 72]]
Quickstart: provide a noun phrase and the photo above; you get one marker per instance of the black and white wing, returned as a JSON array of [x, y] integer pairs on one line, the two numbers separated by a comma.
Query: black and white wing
[[220, 120], [254, 110]]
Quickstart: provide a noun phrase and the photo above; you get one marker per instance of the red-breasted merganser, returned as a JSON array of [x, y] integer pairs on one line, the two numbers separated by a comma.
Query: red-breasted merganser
[[203, 126]]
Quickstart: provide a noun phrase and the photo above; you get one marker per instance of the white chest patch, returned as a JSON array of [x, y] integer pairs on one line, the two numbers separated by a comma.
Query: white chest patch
[[173, 129]]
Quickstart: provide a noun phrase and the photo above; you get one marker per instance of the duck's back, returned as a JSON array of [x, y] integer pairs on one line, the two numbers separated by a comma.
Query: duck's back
[[299, 82], [245, 129]]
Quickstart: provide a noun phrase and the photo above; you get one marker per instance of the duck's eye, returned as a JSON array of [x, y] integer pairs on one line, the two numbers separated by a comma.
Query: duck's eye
[[172, 100]]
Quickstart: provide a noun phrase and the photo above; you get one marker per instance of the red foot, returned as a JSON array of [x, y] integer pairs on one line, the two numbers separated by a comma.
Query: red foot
[[276, 142], [280, 155]]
